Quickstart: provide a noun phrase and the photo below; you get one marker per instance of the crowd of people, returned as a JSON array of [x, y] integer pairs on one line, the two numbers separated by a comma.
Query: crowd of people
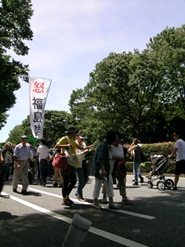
[[108, 162]]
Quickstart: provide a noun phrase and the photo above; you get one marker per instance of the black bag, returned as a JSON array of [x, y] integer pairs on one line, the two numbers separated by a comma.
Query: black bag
[[121, 169], [143, 157]]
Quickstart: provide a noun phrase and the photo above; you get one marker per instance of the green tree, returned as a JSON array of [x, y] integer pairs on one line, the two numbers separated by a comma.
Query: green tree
[[169, 49], [14, 30], [55, 124], [15, 134], [140, 94], [125, 92]]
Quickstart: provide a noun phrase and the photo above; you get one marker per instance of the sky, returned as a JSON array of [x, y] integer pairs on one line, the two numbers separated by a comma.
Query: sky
[[72, 36]]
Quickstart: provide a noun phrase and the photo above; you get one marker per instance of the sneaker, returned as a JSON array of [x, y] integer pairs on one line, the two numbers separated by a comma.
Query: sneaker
[[55, 185], [97, 206], [24, 192], [81, 199], [135, 183], [70, 201], [174, 188], [113, 206], [15, 190], [125, 200], [104, 199], [141, 179]]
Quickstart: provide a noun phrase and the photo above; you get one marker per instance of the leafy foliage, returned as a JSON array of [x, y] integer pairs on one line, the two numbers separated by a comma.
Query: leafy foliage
[[169, 47], [14, 29], [137, 94], [55, 124], [15, 134]]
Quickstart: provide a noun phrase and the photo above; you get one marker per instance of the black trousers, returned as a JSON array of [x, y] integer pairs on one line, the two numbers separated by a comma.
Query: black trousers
[[2, 172], [69, 183]]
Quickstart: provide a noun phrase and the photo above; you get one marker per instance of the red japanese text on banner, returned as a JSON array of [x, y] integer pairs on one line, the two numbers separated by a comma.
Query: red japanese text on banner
[[38, 92]]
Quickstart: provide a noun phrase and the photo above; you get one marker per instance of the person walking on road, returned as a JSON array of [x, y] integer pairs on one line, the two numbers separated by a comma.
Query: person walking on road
[[69, 175], [57, 173], [101, 170], [179, 151], [136, 152], [22, 154], [119, 160], [82, 168], [1, 172], [43, 154], [8, 159]]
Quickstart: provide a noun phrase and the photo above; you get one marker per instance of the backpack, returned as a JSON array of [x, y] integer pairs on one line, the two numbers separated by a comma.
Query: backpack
[[143, 157]]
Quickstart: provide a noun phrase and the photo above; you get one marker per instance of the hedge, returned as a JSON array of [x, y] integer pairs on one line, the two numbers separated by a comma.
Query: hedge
[[149, 150]]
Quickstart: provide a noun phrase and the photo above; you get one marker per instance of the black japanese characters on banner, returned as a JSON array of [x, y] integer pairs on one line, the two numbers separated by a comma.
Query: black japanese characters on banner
[[39, 89]]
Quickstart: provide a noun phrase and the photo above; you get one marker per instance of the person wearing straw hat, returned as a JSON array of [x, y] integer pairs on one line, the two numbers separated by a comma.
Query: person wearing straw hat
[[82, 168]]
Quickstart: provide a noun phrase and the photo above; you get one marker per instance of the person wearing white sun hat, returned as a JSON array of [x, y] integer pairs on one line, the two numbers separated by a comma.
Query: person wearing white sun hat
[[82, 168]]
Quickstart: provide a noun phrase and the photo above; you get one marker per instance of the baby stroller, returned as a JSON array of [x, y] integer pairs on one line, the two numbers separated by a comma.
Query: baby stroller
[[159, 163]]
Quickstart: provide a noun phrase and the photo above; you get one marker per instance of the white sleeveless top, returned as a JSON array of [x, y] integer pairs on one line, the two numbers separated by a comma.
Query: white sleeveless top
[[116, 152]]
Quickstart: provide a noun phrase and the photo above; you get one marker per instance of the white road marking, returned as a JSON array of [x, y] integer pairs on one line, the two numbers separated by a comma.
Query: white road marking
[[96, 231], [148, 217], [115, 238], [43, 192]]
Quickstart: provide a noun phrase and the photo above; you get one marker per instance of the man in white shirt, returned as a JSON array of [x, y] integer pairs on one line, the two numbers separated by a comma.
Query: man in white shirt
[[43, 153], [179, 151]]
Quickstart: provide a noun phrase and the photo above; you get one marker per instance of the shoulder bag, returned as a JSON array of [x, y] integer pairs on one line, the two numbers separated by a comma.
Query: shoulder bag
[[60, 161]]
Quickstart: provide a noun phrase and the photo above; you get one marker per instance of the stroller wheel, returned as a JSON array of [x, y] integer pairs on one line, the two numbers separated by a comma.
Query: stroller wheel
[[161, 185], [150, 185], [169, 183]]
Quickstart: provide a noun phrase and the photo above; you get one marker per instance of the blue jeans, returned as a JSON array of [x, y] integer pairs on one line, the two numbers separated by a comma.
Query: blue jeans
[[136, 170], [82, 179]]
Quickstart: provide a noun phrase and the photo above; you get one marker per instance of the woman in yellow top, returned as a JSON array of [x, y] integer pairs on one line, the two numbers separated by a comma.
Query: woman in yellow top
[[69, 176]]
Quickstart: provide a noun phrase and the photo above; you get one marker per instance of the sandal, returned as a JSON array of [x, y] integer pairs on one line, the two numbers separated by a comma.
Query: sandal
[[97, 206], [67, 203], [70, 201]]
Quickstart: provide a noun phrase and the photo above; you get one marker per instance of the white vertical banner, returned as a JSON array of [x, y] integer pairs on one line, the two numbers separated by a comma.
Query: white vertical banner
[[38, 92]]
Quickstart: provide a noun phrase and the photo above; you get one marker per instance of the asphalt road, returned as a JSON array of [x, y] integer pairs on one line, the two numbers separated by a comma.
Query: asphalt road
[[156, 218]]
